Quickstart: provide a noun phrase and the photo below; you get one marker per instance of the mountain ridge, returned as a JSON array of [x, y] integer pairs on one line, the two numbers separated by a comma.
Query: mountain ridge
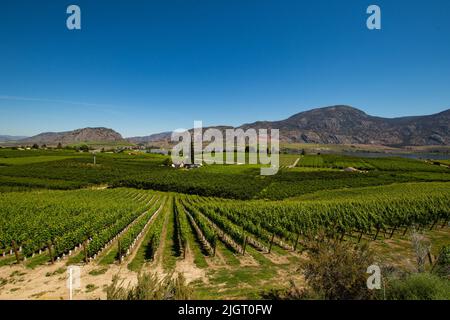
[[9, 138], [342, 124], [339, 124], [88, 134]]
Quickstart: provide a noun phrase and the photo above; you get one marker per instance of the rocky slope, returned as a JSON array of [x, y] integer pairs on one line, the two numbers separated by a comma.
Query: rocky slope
[[348, 125], [75, 136]]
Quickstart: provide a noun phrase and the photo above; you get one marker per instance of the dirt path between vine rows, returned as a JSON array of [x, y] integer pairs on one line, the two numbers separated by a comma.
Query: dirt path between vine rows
[[139, 242], [188, 268], [156, 266]]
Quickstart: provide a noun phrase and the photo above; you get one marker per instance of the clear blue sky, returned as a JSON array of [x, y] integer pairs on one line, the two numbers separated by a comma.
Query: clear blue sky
[[143, 67]]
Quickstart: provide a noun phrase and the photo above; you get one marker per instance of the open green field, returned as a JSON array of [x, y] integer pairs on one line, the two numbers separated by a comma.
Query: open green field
[[231, 232]]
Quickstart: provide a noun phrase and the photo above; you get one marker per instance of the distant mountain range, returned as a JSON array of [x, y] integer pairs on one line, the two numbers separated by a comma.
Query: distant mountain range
[[330, 125], [151, 138], [11, 138], [348, 125]]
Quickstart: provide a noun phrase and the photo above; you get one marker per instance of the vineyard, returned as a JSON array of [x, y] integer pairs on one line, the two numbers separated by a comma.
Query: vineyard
[[58, 222], [383, 164], [239, 242], [67, 171], [290, 220]]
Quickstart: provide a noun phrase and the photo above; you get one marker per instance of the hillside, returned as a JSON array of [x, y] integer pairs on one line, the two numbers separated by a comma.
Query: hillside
[[75, 136], [329, 125], [348, 125]]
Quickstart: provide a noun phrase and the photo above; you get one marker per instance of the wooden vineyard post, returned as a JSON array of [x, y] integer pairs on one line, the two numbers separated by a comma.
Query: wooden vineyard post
[[119, 250], [392, 232], [215, 245], [271, 242], [49, 245], [16, 252], [376, 234], [85, 251], [434, 223], [360, 236], [296, 242], [342, 235], [406, 229], [245, 245]]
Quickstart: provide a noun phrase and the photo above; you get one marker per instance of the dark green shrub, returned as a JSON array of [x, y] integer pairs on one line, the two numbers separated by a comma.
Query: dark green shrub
[[418, 286]]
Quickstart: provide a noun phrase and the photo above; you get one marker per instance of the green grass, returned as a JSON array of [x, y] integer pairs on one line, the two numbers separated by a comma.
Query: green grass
[[7, 261], [30, 263], [110, 257], [235, 281], [97, 272], [75, 259], [17, 274], [91, 287], [37, 260], [3, 281], [58, 271], [139, 259], [398, 250], [230, 258]]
